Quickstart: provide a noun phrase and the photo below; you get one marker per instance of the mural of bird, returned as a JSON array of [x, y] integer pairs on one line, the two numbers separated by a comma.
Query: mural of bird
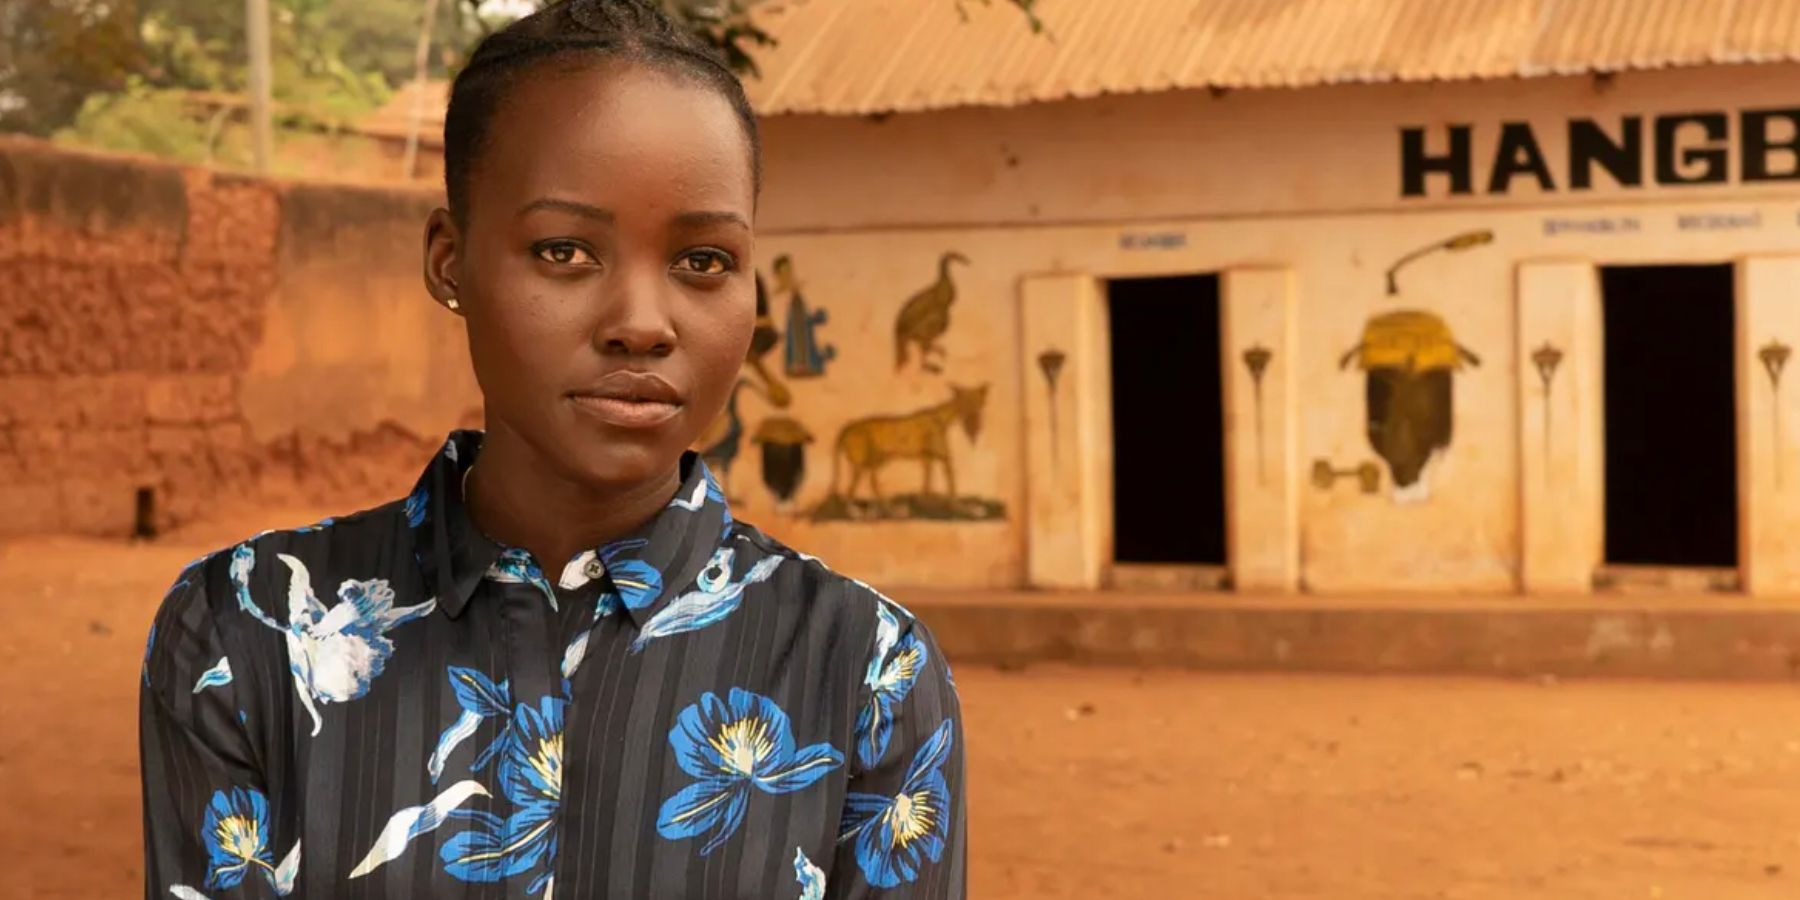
[[926, 316], [723, 438], [724, 449]]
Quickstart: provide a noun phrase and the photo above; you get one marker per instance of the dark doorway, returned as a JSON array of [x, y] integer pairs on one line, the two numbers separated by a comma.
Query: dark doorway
[[145, 527], [1671, 426], [1168, 421]]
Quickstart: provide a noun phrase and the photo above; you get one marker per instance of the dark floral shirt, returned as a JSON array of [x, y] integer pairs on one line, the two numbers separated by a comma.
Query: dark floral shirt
[[393, 705]]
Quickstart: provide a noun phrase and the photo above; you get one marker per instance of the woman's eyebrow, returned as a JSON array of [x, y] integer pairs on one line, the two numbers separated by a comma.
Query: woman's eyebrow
[[711, 217], [573, 207]]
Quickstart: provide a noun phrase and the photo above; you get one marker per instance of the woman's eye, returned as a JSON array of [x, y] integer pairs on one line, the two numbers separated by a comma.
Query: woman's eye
[[705, 262], [565, 253]]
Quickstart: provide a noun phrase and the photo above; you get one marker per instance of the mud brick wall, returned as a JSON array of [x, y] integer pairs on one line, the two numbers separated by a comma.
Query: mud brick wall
[[135, 302]]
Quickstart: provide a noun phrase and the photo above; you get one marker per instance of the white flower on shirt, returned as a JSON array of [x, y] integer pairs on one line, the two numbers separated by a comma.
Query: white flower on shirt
[[336, 653]]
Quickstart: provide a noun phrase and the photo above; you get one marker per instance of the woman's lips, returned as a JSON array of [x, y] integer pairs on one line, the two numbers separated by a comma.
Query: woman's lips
[[626, 413], [629, 399]]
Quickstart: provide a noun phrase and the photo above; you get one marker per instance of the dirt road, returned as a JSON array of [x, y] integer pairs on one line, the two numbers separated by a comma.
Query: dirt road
[[1090, 783]]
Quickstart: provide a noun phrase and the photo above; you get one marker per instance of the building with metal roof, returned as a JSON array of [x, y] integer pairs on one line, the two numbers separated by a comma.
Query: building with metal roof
[[1277, 295], [857, 57]]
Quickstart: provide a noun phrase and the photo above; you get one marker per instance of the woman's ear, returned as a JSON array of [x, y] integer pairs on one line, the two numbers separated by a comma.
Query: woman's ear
[[443, 248]]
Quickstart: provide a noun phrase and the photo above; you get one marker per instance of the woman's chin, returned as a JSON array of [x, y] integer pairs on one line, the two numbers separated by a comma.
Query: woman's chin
[[619, 458]]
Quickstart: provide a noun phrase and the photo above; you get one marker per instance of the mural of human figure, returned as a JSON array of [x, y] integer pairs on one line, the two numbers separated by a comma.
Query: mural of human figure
[[804, 355]]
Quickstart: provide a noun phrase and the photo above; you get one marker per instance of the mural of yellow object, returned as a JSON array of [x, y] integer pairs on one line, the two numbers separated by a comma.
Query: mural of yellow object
[[1410, 357]]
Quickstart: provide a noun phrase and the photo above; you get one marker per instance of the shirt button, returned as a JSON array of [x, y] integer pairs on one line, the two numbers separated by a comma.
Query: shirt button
[[594, 568]]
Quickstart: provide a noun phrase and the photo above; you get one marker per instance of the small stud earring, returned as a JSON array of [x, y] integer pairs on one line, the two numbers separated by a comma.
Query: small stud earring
[[451, 302]]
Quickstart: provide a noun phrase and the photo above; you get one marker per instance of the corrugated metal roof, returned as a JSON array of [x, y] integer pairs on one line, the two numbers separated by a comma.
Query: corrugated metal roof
[[395, 118], [851, 57]]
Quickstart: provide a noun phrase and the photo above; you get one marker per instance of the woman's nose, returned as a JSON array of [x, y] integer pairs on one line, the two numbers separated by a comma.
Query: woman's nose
[[636, 322]]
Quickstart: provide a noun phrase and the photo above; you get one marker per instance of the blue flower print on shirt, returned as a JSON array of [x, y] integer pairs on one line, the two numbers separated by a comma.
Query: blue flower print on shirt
[[887, 634], [243, 561], [604, 605], [480, 698], [693, 500], [217, 676], [715, 596], [515, 566], [731, 747], [181, 582], [707, 490], [893, 681], [637, 582], [415, 506], [409, 823], [531, 775], [581, 570], [894, 835], [812, 880], [149, 645], [236, 835]]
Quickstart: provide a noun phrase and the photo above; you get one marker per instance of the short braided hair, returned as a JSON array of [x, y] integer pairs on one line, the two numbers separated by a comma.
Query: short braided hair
[[634, 30]]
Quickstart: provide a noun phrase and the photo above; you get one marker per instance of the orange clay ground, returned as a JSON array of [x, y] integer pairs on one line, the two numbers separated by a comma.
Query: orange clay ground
[[1089, 783]]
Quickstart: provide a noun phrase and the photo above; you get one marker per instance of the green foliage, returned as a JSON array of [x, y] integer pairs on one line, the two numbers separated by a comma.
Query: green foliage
[[166, 77], [183, 63], [55, 53], [379, 37], [143, 119], [727, 28], [320, 54]]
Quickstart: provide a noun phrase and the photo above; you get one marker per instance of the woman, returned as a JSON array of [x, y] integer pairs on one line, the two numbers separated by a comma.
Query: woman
[[560, 667]]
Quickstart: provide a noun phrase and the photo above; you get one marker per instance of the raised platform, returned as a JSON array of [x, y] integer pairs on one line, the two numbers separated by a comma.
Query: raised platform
[[1701, 636]]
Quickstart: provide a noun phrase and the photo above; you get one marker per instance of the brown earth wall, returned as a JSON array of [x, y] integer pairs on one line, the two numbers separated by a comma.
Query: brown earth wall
[[135, 303]]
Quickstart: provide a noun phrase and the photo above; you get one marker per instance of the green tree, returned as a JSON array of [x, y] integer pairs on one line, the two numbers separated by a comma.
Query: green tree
[[334, 62], [54, 54], [336, 57], [335, 54], [163, 76]]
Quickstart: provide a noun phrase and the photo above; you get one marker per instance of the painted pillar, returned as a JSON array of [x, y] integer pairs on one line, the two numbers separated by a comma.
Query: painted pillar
[[1768, 327], [1262, 511], [1066, 374], [1562, 427]]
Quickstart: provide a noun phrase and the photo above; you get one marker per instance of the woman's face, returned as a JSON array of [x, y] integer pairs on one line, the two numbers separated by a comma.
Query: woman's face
[[605, 266]]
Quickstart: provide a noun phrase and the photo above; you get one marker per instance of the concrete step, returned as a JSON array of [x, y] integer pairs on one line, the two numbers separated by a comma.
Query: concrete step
[[1699, 636]]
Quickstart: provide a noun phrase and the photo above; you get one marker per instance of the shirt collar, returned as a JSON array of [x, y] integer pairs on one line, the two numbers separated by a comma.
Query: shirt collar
[[646, 568]]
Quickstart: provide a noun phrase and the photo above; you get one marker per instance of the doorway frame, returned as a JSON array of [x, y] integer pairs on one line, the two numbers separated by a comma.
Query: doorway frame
[[1167, 576], [1069, 482], [1562, 475]]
